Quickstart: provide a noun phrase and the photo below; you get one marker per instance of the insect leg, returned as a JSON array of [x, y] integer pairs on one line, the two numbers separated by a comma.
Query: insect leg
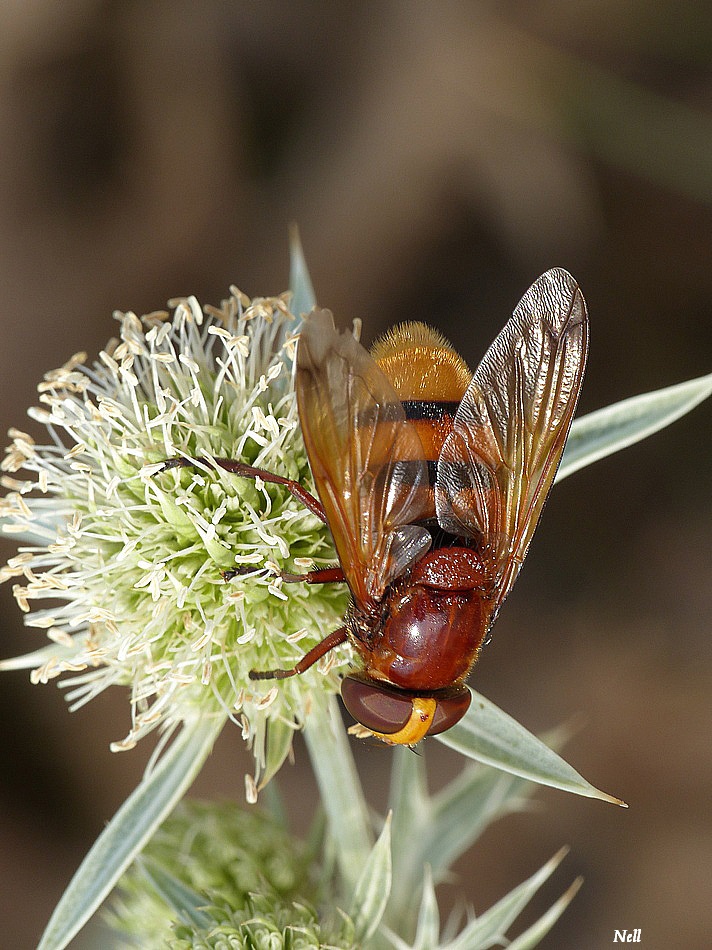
[[334, 639], [325, 575], [249, 471]]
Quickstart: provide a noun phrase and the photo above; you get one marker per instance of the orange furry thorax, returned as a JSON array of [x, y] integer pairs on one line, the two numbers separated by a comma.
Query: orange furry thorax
[[421, 365]]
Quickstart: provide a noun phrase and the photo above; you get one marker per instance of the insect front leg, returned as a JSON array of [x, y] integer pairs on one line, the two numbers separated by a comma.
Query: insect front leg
[[249, 471], [334, 639]]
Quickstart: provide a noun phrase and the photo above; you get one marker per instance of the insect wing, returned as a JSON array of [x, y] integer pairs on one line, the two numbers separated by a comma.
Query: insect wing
[[496, 467], [366, 458]]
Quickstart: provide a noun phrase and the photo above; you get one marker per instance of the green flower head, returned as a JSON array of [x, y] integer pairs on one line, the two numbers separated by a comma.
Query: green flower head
[[217, 877], [122, 560]]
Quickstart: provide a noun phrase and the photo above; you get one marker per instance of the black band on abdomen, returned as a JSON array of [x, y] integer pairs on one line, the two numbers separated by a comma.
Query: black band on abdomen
[[428, 409]]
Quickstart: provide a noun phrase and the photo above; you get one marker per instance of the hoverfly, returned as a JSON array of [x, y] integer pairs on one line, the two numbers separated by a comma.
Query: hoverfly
[[431, 481]]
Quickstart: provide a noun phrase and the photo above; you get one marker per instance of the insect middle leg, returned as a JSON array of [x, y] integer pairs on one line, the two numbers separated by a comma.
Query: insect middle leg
[[329, 575], [249, 471], [324, 575]]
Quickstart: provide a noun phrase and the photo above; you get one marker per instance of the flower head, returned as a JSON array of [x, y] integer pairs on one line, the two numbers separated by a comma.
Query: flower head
[[122, 565], [214, 876]]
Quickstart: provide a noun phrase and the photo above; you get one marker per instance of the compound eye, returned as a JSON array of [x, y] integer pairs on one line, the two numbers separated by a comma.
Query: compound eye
[[450, 709], [379, 708]]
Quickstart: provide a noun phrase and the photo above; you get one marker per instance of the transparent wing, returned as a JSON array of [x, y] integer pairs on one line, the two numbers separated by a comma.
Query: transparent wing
[[498, 464], [366, 458]]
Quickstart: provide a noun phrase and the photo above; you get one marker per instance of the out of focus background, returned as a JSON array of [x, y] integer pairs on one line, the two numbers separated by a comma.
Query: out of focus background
[[437, 157]]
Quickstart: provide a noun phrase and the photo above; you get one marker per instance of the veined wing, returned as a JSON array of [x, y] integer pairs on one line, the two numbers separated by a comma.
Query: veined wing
[[498, 464], [366, 458]]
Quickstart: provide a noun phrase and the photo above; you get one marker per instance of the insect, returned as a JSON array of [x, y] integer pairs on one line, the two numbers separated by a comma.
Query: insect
[[431, 481]]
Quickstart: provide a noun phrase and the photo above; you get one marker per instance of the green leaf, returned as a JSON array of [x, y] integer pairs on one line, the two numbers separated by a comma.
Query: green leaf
[[410, 805], [339, 788], [436, 831], [489, 735], [490, 928], [39, 657], [446, 825], [279, 744], [183, 901], [605, 431], [303, 296], [373, 887], [428, 930], [130, 829], [462, 811], [534, 934]]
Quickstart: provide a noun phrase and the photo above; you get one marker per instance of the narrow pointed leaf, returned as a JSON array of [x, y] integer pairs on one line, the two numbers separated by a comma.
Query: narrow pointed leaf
[[40, 535], [464, 809], [31, 661], [409, 802], [428, 930], [490, 928], [489, 735], [279, 744], [303, 296], [394, 940], [615, 427], [129, 830], [536, 933], [455, 818], [339, 787], [436, 831], [373, 887], [411, 808], [183, 901]]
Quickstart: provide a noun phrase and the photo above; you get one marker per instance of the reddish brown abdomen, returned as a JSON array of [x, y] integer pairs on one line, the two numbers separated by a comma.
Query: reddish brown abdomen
[[431, 637]]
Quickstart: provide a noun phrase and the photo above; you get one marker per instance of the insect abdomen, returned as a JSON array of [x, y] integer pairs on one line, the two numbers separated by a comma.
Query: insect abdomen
[[430, 378]]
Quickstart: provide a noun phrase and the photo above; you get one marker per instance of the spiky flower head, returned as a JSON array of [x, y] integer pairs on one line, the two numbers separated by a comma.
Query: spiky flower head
[[214, 876], [121, 566]]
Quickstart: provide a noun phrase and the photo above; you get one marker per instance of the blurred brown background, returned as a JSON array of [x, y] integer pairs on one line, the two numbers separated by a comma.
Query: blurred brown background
[[437, 157]]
